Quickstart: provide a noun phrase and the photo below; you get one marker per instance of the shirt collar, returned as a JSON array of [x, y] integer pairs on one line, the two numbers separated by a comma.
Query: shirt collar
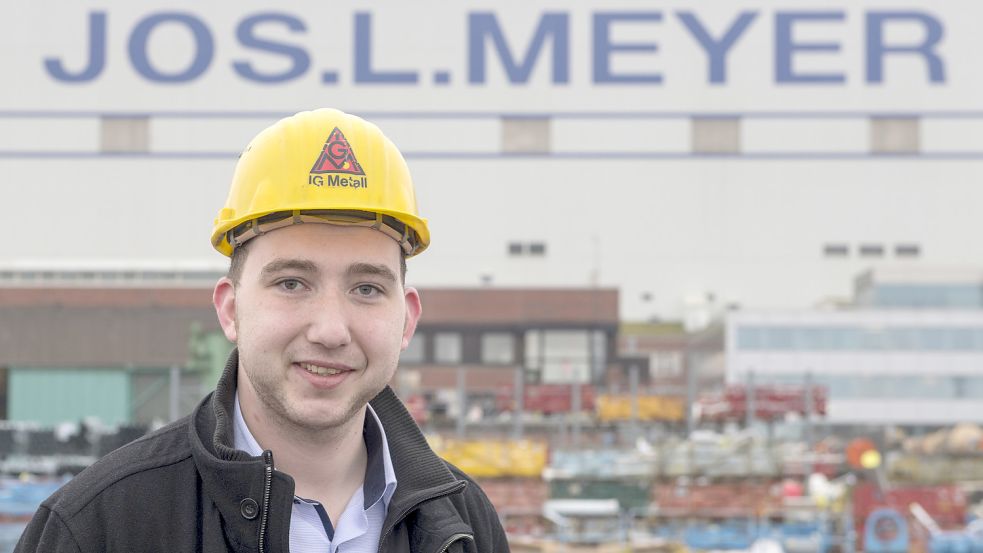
[[380, 478]]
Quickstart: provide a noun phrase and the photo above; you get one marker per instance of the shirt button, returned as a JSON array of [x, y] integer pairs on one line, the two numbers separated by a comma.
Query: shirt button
[[248, 508]]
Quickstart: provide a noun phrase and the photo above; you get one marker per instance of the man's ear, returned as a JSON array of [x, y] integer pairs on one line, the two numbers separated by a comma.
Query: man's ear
[[224, 299], [413, 311]]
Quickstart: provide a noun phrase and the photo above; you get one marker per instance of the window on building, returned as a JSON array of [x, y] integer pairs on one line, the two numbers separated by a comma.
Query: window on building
[[907, 250], [847, 338], [125, 134], [415, 353], [566, 356], [716, 135], [971, 386], [836, 250], [871, 250], [530, 249], [525, 135], [534, 348], [895, 135], [447, 348], [666, 364], [497, 348], [599, 352]]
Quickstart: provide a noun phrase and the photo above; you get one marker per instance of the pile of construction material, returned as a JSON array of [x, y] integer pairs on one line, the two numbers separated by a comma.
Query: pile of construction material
[[510, 473], [945, 456], [962, 439], [625, 476], [67, 448]]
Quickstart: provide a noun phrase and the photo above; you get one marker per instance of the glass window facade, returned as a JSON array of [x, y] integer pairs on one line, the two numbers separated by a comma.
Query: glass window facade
[[563, 356], [447, 348], [969, 296], [885, 386], [497, 348], [855, 338], [666, 364]]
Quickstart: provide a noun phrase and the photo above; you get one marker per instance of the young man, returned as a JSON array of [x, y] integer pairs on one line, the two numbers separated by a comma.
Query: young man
[[302, 446]]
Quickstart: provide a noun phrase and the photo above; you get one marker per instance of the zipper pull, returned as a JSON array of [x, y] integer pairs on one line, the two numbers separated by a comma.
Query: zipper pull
[[265, 513]]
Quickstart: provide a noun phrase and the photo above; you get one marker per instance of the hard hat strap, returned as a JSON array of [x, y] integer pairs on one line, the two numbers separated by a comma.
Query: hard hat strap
[[385, 224]]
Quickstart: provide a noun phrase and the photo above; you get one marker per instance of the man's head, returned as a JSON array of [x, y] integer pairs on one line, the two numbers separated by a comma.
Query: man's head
[[319, 220]]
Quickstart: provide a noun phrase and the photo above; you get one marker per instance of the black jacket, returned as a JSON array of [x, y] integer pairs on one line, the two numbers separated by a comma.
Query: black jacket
[[184, 488]]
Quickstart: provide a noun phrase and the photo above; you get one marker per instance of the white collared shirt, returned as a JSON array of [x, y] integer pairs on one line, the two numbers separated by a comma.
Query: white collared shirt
[[360, 525]]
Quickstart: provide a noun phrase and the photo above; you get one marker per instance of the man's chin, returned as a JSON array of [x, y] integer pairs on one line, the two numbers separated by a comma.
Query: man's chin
[[320, 420]]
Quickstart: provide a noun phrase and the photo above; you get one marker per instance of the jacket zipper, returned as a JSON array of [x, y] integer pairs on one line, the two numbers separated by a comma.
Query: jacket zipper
[[452, 539], [406, 511], [267, 480]]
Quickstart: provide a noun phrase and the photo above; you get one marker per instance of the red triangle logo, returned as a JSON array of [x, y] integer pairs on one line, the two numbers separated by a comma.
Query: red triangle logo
[[337, 156]]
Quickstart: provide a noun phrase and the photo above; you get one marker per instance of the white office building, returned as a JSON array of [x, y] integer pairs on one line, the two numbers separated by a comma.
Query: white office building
[[910, 352]]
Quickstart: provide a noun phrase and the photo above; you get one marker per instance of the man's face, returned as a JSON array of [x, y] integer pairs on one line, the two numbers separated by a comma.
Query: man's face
[[319, 316]]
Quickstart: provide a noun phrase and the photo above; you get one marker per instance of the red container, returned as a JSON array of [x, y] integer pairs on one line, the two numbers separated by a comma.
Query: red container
[[945, 504], [547, 398], [771, 402]]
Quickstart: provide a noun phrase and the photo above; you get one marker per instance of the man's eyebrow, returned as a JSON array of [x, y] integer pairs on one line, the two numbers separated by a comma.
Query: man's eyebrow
[[382, 271], [279, 265]]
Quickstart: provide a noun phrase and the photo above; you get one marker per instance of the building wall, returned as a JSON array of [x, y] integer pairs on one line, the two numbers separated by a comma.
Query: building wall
[[668, 170]]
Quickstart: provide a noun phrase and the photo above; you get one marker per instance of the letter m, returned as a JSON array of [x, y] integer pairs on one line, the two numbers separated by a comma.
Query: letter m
[[482, 25]]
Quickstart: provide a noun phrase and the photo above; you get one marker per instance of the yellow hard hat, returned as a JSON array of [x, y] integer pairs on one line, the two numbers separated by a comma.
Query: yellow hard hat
[[321, 166]]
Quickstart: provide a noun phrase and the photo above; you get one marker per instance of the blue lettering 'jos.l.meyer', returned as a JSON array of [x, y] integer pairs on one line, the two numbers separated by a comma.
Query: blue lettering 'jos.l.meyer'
[[553, 26], [604, 48], [716, 49], [877, 49], [97, 54], [786, 47], [300, 62], [364, 73], [549, 46], [204, 47]]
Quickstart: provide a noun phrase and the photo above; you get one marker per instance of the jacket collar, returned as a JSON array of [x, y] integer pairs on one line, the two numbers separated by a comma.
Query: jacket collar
[[230, 476], [423, 478]]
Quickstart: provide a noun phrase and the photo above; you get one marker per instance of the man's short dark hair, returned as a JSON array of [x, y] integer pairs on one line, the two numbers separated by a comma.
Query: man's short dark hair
[[238, 259]]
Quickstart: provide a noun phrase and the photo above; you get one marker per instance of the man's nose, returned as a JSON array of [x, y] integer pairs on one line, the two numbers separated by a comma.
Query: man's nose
[[328, 321]]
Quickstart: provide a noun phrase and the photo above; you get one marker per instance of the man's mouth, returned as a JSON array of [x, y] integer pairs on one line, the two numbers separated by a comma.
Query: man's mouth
[[320, 371]]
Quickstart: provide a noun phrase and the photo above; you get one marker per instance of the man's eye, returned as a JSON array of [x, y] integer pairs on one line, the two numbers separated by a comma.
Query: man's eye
[[366, 290], [290, 285]]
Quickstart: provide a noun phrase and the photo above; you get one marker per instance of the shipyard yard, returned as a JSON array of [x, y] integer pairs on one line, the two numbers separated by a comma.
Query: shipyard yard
[[599, 481], [676, 277]]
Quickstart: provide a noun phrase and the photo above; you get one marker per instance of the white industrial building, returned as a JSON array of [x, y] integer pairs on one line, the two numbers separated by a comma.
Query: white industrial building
[[908, 352], [693, 156]]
